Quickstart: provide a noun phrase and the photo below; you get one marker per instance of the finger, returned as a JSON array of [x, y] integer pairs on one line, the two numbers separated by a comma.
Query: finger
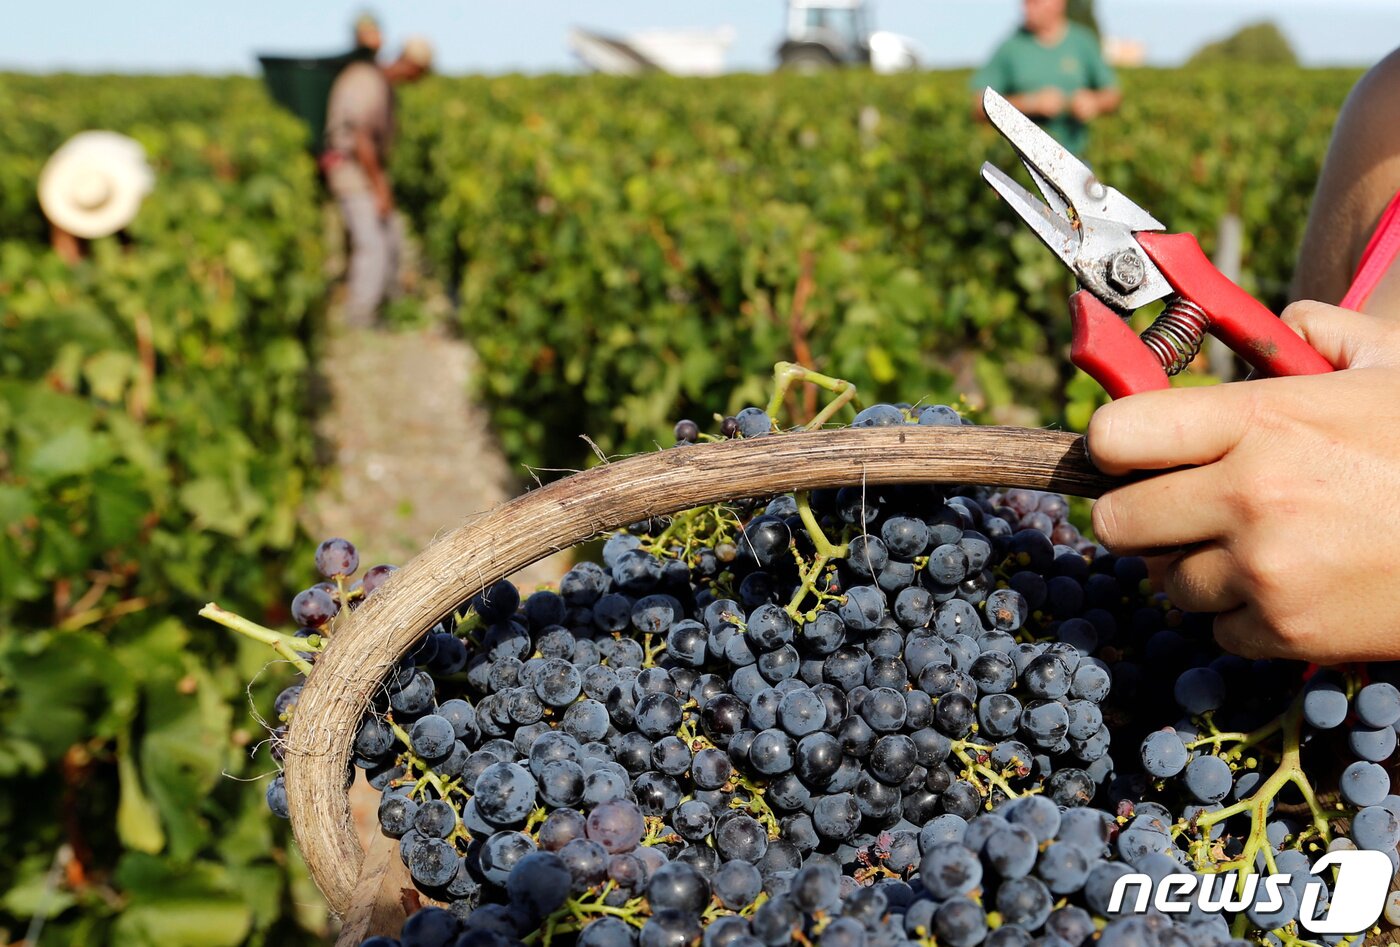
[[1203, 580], [1157, 566], [1245, 632], [1170, 510], [1157, 430], [1240, 631], [1345, 338]]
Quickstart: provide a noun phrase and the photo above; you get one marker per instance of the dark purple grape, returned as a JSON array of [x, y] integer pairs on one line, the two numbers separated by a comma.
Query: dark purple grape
[[337, 557], [618, 826], [313, 608]]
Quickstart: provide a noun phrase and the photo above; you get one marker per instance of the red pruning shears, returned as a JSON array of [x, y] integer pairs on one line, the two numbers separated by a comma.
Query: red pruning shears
[[1114, 249]]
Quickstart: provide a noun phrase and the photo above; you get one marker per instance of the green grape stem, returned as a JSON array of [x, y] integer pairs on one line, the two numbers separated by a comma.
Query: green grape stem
[[809, 574], [786, 374], [757, 806], [443, 787], [1243, 741], [703, 526], [650, 651], [976, 769], [1290, 770], [285, 645], [692, 737], [824, 547], [577, 913]]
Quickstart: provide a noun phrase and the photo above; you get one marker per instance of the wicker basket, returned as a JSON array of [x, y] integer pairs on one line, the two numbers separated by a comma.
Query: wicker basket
[[560, 515]]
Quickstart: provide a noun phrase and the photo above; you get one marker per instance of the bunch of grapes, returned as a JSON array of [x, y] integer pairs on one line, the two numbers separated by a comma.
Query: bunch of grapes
[[314, 610], [866, 716]]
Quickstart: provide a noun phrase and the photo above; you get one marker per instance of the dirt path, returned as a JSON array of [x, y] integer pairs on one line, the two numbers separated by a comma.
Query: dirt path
[[412, 455]]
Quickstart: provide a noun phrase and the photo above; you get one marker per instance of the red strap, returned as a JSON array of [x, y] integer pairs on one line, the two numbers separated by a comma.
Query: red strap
[[1379, 254]]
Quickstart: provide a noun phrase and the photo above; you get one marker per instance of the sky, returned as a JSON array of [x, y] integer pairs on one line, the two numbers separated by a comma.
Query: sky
[[529, 35]]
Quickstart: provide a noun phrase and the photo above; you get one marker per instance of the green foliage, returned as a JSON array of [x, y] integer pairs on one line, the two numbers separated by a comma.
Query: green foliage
[[155, 439], [1258, 44], [628, 250]]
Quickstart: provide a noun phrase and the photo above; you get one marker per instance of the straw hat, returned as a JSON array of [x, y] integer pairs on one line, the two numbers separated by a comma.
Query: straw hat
[[94, 184]]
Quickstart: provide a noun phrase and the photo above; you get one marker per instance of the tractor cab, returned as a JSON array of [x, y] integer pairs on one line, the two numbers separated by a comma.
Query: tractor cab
[[825, 34]]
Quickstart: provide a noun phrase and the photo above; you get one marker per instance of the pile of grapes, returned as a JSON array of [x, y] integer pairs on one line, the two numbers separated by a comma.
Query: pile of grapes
[[856, 717]]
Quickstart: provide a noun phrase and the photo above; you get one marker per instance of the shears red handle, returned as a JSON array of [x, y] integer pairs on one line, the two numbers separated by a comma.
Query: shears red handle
[[1109, 350]]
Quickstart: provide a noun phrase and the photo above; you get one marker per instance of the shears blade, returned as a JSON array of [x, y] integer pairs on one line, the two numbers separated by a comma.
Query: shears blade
[[1068, 184], [1083, 221], [1054, 230]]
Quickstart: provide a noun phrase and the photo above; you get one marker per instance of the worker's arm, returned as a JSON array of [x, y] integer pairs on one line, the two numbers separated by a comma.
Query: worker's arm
[[1359, 177], [1273, 496], [66, 245], [367, 157], [1273, 501]]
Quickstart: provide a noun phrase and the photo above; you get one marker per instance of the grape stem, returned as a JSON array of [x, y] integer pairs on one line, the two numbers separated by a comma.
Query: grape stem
[[650, 651], [807, 573], [1244, 740], [756, 806], [285, 645], [786, 374], [344, 602], [577, 913], [655, 834], [810, 572], [824, 547], [976, 768], [413, 761], [1289, 770], [536, 818], [703, 526], [692, 738]]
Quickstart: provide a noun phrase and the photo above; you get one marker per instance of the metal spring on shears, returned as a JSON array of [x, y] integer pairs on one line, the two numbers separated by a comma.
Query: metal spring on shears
[[1175, 336]]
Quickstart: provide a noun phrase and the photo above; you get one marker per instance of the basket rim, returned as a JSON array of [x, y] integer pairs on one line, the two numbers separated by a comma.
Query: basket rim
[[578, 507]]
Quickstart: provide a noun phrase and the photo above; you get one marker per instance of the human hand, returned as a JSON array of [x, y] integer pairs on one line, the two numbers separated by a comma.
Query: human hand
[[1049, 102], [1084, 105], [1284, 517]]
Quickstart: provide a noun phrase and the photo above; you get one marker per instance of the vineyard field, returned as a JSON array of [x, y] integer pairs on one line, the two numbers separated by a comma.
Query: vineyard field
[[626, 250], [621, 253]]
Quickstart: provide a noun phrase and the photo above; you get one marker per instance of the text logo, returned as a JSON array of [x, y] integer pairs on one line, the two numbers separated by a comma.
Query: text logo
[[1358, 894]]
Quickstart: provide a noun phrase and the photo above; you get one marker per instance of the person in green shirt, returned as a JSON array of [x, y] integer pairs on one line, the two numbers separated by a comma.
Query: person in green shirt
[[1052, 70]]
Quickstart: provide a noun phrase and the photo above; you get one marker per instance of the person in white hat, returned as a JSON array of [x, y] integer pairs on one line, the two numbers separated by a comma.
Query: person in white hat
[[92, 187], [359, 130]]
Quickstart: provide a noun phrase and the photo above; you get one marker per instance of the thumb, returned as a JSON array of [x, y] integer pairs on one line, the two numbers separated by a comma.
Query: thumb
[[1345, 338]]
